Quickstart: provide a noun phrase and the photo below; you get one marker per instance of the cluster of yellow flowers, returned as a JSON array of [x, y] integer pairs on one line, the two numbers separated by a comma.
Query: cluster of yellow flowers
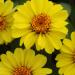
[[41, 23]]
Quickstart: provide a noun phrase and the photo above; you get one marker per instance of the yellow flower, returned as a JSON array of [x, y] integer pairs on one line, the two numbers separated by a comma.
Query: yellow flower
[[40, 22], [66, 59], [6, 20], [23, 62]]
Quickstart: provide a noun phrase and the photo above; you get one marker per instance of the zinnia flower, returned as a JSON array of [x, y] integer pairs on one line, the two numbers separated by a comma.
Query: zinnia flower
[[66, 59], [23, 62], [40, 22], [6, 20]]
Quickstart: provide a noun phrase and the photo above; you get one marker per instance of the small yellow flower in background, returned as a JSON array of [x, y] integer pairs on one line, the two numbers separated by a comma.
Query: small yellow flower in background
[[40, 22], [6, 20], [66, 59], [23, 62]]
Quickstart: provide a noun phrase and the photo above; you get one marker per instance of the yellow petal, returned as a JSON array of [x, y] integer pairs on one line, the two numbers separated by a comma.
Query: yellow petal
[[64, 62], [44, 43], [1, 64], [37, 46], [62, 70], [1, 40], [38, 6], [42, 71], [63, 59], [55, 41], [48, 5], [29, 57], [73, 38], [55, 9], [39, 61], [49, 50], [20, 21], [22, 41], [41, 41], [8, 7], [16, 33], [66, 49], [4, 71], [19, 56], [1, 8], [48, 47], [61, 15], [67, 70], [26, 11], [68, 43], [9, 18], [29, 40], [62, 56], [1, 1], [11, 59], [6, 62], [58, 34], [70, 70], [59, 24], [23, 37], [63, 30], [7, 33]]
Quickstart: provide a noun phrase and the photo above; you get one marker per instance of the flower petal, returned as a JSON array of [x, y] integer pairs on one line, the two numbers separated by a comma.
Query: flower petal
[[63, 30], [1, 8], [4, 71], [68, 43], [29, 57], [70, 70], [29, 40], [55, 41], [55, 9], [44, 43], [7, 33], [38, 6], [26, 9], [20, 21], [19, 56], [6, 62], [64, 62], [62, 56], [8, 7], [63, 15], [16, 33], [66, 49], [42, 71], [11, 59], [73, 38], [39, 61], [59, 24], [41, 41], [1, 1], [1, 40]]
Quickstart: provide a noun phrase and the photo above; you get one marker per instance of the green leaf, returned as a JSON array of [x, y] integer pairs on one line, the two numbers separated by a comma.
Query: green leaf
[[17, 2], [67, 7]]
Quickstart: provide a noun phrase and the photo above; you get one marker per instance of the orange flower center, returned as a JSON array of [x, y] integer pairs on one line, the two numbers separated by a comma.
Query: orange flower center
[[2, 23], [22, 71], [41, 23]]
